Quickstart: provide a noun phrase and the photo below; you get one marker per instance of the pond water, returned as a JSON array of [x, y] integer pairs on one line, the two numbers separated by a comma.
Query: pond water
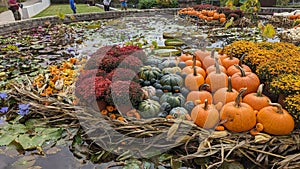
[[143, 31]]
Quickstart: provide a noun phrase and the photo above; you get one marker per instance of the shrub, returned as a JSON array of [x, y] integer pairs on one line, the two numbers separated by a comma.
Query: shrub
[[147, 4]]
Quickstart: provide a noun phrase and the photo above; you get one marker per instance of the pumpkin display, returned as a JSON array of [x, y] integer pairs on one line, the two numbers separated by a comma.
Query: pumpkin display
[[275, 120], [229, 61], [149, 72], [149, 108], [175, 100], [200, 95], [237, 116], [225, 94], [217, 79], [193, 80], [244, 79], [171, 79], [180, 112], [184, 57], [191, 63], [233, 69], [148, 91], [257, 100], [205, 115]]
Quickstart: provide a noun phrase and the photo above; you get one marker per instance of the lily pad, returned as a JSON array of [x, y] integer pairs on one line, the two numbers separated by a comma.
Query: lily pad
[[167, 52], [174, 42], [172, 35]]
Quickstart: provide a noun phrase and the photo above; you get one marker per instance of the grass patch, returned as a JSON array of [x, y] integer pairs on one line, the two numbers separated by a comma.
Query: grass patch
[[3, 8], [53, 10]]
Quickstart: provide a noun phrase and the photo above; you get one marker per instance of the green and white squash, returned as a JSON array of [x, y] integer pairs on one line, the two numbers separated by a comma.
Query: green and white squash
[[175, 100], [149, 108], [171, 70], [149, 72], [172, 80], [179, 112]]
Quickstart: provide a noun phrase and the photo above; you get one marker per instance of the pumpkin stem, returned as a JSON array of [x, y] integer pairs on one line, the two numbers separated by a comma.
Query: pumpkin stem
[[279, 107], [218, 70], [229, 89], [241, 69], [259, 90], [194, 61], [205, 104], [238, 98], [203, 86], [212, 53], [242, 59], [195, 71]]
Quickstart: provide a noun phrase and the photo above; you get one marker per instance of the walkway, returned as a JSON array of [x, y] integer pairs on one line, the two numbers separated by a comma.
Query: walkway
[[7, 16]]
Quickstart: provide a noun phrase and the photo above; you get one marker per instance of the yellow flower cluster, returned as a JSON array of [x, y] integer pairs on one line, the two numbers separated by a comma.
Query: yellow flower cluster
[[293, 105], [56, 78], [286, 84]]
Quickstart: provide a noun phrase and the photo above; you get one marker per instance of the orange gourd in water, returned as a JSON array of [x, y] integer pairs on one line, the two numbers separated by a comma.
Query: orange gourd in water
[[232, 69], [205, 115], [237, 116], [225, 94], [275, 120], [217, 79], [257, 100], [200, 95], [245, 79]]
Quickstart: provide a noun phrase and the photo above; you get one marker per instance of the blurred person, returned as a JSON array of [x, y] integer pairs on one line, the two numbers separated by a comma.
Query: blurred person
[[106, 4], [123, 5], [14, 7], [73, 6]]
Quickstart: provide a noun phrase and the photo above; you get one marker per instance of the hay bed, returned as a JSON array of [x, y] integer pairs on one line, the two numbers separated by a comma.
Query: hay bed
[[170, 135]]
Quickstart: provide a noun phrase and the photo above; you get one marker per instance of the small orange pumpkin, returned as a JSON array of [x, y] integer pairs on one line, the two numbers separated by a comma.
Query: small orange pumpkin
[[222, 15], [275, 120], [185, 57], [222, 20], [225, 94], [205, 115], [200, 95], [229, 61], [232, 69], [257, 100], [200, 55], [216, 16], [209, 61], [194, 80]]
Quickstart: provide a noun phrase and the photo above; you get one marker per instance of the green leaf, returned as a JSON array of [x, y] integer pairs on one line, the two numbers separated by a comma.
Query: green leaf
[[269, 31], [25, 141], [154, 43], [164, 157], [7, 138], [229, 23]]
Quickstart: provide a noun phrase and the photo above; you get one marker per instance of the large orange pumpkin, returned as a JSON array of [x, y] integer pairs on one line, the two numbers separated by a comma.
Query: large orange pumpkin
[[257, 100], [232, 69], [237, 116], [244, 79], [275, 120], [217, 79], [225, 94], [205, 115], [200, 95]]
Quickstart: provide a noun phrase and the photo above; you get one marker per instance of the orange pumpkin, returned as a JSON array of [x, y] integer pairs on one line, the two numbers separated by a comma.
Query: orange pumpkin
[[210, 18], [225, 94], [212, 68], [232, 69], [194, 80], [222, 15], [200, 95], [209, 61], [200, 55], [245, 79], [216, 16], [237, 116], [204, 12], [229, 61], [217, 79], [257, 100], [275, 120], [191, 62], [190, 69], [133, 113], [185, 57], [205, 115], [210, 13], [222, 20]]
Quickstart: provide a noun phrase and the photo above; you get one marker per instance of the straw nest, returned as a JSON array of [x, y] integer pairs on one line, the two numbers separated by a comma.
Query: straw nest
[[140, 138]]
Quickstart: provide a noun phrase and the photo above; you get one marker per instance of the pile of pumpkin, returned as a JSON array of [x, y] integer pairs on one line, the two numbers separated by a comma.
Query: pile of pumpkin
[[207, 15], [215, 91]]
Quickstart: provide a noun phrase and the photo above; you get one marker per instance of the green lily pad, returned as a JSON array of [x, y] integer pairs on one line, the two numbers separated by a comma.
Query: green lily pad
[[172, 35], [174, 42], [167, 52]]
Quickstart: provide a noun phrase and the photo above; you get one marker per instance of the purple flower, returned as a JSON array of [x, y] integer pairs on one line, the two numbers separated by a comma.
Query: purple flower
[[3, 95], [3, 109], [23, 109]]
